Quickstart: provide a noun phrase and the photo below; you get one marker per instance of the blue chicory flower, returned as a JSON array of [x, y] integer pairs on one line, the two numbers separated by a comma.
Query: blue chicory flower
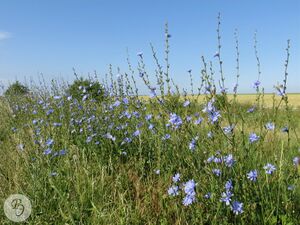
[[229, 160], [270, 126], [296, 161], [217, 172], [188, 200], [47, 151], [237, 207], [49, 142], [186, 103], [228, 185], [252, 175], [189, 187], [176, 178], [173, 190], [269, 168], [253, 137], [226, 197], [256, 84]]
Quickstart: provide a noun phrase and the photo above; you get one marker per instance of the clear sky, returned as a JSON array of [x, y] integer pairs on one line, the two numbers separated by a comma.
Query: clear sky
[[52, 37]]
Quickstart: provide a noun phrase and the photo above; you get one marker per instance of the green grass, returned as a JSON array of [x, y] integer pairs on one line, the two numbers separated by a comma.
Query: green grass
[[115, 183]]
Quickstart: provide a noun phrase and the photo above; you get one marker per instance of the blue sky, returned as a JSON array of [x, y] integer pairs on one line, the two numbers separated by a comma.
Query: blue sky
[[52, 37]]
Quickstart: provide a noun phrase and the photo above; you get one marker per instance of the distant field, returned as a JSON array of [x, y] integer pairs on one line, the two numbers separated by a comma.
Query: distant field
[[294, 99]]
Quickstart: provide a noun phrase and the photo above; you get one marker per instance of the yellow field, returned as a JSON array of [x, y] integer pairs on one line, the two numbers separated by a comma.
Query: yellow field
[[294, 99]]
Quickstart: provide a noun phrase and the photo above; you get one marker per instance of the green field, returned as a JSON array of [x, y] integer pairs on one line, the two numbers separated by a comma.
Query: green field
[[114, 162]]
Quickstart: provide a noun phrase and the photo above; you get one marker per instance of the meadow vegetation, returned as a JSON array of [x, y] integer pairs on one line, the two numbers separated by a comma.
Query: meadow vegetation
[[93, 153]]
